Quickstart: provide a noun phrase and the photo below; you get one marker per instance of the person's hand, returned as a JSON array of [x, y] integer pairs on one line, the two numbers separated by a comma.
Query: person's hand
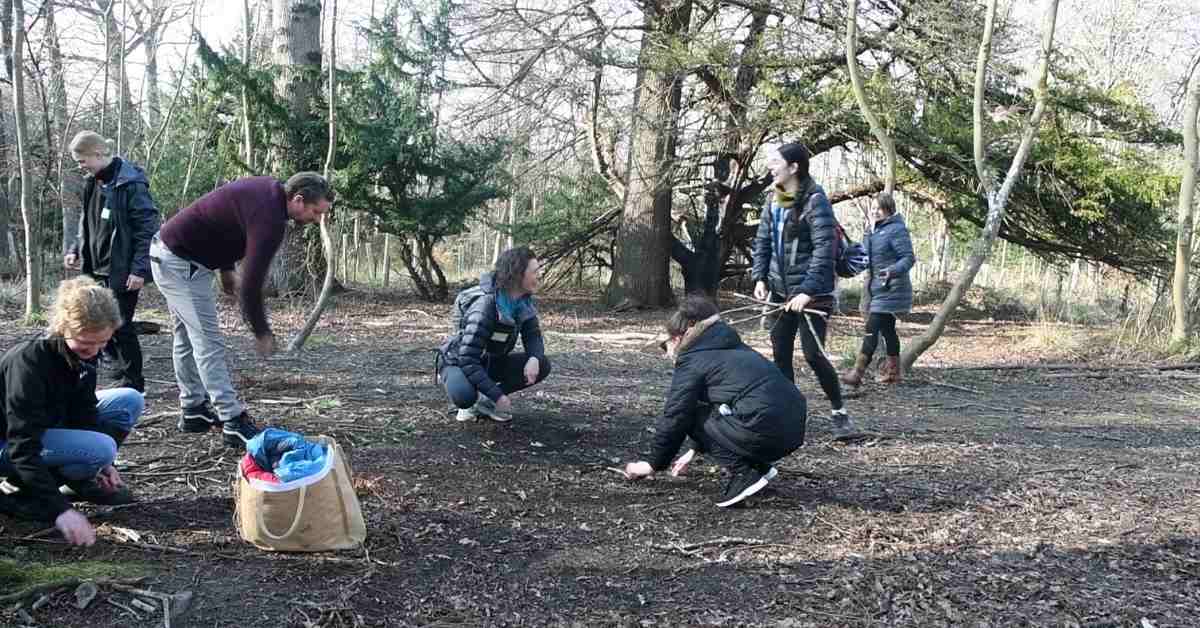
[[638, 470], [504, 404], [532, 366], [75, 528], [681, 463], [265, 345], [760, 290], [134, 282], [798, 303], [71, 261], [229, 283], [108, 479]]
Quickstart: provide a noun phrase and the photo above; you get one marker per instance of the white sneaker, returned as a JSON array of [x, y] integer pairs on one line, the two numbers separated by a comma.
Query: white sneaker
[[465, 415]]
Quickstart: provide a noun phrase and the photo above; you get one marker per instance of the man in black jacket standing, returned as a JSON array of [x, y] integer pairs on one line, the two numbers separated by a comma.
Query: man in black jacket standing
[[112, 243], [736, 406]]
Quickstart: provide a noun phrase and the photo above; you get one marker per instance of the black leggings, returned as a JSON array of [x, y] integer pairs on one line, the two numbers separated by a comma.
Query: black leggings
[[783, 345], [881, 324], [506, 370]]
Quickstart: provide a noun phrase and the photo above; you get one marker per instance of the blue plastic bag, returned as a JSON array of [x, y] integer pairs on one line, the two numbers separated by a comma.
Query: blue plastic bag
[[301, 462], [286, 454]]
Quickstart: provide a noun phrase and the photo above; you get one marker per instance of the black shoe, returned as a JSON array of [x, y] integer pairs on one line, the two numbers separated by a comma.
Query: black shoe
[[742, 483], [15, 502], [238, 430], [89, 491], [198, 419]]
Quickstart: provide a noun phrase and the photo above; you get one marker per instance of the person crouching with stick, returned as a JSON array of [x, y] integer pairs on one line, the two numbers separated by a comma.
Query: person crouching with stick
[[736, 406], [55, 428]]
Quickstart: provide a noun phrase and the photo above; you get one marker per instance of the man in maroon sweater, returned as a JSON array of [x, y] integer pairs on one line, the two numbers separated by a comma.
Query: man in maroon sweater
[[243, 220]]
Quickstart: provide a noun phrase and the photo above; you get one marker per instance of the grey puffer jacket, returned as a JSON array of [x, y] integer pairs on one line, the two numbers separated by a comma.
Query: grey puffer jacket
[[890, 249], [801, 262]]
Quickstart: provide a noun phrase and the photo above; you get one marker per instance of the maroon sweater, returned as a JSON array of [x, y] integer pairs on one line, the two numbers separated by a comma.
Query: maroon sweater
[[242, 220]]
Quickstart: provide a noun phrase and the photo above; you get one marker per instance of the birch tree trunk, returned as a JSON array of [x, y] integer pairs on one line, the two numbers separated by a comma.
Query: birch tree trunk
[[1183, 230], [326, 296], [33, 270], [997, 199]]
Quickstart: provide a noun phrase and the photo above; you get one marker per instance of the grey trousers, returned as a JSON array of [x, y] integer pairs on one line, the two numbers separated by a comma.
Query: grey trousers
[[198, 350]]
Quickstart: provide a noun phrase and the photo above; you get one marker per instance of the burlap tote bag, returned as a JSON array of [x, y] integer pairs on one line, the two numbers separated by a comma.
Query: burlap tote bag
[[312, 514]]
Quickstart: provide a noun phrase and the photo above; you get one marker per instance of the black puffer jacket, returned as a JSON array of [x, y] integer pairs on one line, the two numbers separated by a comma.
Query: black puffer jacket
[[479, 332], [803, 263], [135, 220], [715, 367], [43, 386]]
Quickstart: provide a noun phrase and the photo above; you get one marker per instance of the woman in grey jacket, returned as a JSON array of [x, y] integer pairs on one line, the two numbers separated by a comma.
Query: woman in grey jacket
[[890, 248]]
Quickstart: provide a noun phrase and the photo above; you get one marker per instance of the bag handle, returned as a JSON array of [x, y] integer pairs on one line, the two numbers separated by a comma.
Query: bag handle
[[337, 486], [262, 525]]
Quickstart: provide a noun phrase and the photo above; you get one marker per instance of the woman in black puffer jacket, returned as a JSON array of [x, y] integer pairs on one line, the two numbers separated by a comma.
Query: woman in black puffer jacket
[[794, 264], [736, 406], [478, 367]]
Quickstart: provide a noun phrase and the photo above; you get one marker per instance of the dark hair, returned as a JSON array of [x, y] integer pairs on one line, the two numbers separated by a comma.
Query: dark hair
[[694, 309], [311, 187], [886, 202], [511, 266], [796, 153]]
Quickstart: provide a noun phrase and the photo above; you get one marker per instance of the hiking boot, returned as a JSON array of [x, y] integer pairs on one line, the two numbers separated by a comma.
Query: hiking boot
[[844, 427], [91, 492], [854, 377], [742, 483], [198, 419], [890, 373], [238, 431], [487, 407], [465, 415]]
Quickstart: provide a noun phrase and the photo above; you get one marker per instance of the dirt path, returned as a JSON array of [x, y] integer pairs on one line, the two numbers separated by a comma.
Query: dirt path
[[988, 498]]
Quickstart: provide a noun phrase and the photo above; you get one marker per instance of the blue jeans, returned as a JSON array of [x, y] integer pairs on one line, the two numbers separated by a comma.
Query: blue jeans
[[80, 454]]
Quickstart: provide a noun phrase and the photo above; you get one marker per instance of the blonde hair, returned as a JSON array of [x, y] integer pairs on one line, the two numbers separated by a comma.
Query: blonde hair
[[91, 142], [82, 305]]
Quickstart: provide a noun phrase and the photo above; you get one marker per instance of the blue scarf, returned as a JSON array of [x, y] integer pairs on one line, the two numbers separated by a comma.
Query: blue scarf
[[509, 308]]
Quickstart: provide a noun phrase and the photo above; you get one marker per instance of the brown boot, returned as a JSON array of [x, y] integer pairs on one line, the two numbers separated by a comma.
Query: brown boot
[[855, 377], [890, 373]]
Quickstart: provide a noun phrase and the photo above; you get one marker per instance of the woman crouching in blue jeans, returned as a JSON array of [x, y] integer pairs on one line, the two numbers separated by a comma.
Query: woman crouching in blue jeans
[[55, 428]]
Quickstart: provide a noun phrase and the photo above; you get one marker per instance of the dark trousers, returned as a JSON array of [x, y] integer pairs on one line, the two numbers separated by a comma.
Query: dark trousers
[[506, 370], [124, 349], [784, 330], [712, 448], [881, 324]]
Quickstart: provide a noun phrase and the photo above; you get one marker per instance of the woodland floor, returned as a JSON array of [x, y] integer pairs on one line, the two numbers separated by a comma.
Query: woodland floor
[[988, 497]]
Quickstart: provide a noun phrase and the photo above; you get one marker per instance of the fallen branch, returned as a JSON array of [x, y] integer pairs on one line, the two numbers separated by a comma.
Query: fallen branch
[[936, 382], [721, 542], [1184, 366]]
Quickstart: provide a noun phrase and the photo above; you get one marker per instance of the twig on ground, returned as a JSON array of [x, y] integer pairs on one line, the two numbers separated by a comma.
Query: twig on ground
[[936, 382]]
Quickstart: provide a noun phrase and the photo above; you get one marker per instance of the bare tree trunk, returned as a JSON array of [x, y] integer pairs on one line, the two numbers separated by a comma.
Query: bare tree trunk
[[33, 270], [860, 94], [326, 296], [997, 199], [387, 259], [298, 57], [641, 265], [123, 85], [1183, 231], [70, 183], [247, 41]]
